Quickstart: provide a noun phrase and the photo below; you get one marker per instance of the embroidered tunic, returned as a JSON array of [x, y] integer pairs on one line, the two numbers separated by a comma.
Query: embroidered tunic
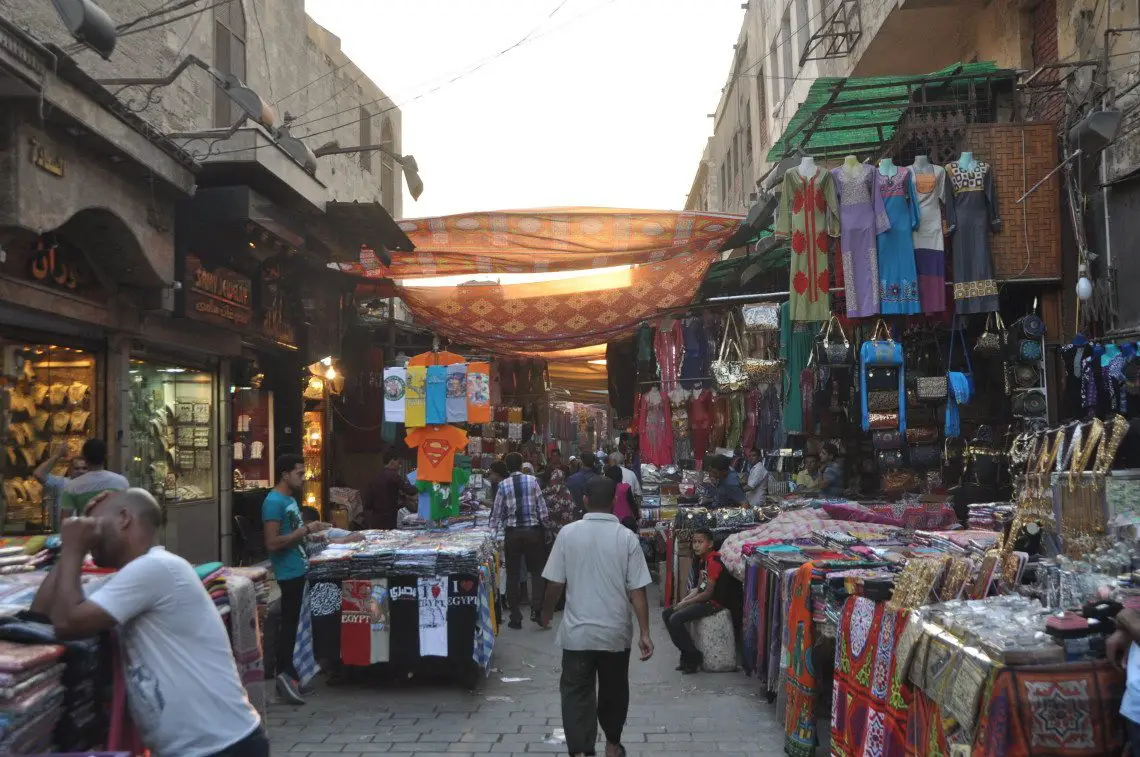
[[862, 216], [809, 217], [975, 204], [933, 190], [898, 278]]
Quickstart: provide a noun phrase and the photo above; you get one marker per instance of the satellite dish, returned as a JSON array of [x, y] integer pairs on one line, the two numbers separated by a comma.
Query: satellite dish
[[88, 24]]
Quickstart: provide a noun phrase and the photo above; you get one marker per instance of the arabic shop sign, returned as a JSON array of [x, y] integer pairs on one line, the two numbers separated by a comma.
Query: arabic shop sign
[[53, 265], [219, 296]]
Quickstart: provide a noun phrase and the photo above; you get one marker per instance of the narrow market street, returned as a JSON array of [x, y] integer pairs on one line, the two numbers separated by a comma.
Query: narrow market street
[[717, 713]]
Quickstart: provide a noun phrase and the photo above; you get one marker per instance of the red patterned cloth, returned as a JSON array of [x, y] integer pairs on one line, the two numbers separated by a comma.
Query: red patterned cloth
[[544, 240], [561, 314], [869, 704]]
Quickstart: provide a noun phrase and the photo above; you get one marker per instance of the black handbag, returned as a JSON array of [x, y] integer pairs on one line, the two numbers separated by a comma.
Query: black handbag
[[881, 401], [830, 350], [1028, 350], [890, 458], [925, 455], [884, 440], [1031, 403], [881, 378], [1031, 326], [1025, 375]]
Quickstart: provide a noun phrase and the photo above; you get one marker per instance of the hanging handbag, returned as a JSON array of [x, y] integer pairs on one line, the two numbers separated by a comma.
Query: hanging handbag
[[994, 337], [831, 350], [1030, 326], [764, 316], [889, 458], [898, 481], [886, 439], [728, 368], [1031, 403], [882, 401], [760, 371], [881, 348], [930, 388], [921, 435], [876, 421], [1028, 350], [925, 456], [1025, 375], [882, 379]]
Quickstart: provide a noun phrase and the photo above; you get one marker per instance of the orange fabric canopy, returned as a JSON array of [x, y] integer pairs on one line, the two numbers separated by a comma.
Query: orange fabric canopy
[[562, 314], [547, 240]]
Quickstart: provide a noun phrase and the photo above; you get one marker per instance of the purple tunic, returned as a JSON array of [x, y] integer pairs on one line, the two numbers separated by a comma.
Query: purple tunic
[[862, 217]]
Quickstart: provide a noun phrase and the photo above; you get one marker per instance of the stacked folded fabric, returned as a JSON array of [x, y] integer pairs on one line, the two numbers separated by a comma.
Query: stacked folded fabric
[[31, 696], [259, 577], [213, 575]]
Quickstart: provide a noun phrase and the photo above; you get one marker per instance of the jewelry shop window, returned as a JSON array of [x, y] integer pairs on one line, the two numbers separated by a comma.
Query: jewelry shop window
[[172, 446], [47, 412]]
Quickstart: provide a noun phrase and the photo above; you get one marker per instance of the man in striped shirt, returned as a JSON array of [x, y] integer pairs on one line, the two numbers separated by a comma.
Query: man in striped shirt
[[78, 491], [520, 511]]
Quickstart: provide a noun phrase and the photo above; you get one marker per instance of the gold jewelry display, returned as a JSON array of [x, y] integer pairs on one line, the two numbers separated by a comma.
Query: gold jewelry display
[[917, 580]]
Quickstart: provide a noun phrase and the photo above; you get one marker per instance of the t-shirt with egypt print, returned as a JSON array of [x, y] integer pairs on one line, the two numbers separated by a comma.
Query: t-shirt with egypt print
[[437, 448]]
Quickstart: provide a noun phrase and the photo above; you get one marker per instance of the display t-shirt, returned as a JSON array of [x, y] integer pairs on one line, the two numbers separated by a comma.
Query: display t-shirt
[[395, 383], [457, 393], [77, 492], [415, 412], [289, 562], [438, 446], [479, 393], [183, 688], [436, 394]]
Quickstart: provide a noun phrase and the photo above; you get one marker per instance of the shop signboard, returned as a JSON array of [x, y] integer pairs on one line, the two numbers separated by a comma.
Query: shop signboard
[[219, 296], [57, 266], [276, 320]]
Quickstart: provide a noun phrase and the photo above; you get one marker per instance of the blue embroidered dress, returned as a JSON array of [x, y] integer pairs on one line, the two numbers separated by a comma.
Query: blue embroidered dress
[[898, 276]]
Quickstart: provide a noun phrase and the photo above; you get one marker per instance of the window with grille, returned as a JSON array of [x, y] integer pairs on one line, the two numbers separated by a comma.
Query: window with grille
[[786, 59], [762, 104], [803, 27], [229, 58], [365, 139], [777, 82]]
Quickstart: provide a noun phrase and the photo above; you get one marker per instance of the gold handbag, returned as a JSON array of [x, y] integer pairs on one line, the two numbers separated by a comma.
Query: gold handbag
[[728, 373]]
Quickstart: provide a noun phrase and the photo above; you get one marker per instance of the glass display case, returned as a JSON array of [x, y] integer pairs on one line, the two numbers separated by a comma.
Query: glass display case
[[173, 427], [47, 405], [314, 427], [253, 439]]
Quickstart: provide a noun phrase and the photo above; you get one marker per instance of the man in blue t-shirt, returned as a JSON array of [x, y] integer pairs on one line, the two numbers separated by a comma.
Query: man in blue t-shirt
[[285, 534]]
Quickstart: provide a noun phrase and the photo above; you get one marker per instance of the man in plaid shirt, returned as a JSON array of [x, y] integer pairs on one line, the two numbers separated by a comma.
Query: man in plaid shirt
[[520, 511]]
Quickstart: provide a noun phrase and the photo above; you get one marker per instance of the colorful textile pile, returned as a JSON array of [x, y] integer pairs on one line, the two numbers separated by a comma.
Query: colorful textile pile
[[870, 702], [213, 577], [258, 576], [31, 696], [903, 514], [245, 638], [1053, 711], [800, 686], [24, 558]]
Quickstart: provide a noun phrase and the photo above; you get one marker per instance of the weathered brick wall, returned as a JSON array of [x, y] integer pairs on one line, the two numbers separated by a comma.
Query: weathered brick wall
[[1003, 146], [285, 51]]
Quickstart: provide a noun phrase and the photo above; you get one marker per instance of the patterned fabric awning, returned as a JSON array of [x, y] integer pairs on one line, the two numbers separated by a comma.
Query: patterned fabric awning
[[547, 240], [560, 314]]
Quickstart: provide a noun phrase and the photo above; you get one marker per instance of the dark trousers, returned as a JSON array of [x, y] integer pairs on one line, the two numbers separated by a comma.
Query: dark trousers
[[1133, 732], [292, 592], [675, 620], [254, 745], [528, 543], [595, 689]]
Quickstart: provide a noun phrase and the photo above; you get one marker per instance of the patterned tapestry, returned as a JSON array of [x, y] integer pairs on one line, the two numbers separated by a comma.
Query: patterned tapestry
[[561, 314], [547, 240]]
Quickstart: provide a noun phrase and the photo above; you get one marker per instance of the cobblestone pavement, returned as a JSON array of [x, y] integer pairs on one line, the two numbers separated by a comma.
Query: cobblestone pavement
[[707, 713]]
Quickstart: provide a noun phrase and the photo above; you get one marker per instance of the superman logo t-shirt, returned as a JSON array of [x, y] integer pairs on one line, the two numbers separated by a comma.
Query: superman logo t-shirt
[[437, 447]]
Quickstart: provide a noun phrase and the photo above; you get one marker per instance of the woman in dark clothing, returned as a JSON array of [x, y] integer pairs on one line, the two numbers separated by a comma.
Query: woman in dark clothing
[[625, 508]]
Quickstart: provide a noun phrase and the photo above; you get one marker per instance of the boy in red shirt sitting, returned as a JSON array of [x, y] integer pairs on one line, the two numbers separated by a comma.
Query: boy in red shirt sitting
[[703, 600]]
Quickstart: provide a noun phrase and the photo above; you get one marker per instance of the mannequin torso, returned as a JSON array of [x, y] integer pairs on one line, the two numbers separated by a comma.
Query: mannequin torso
[[887, 167], [967, 162], [807, 167], [922, 164]]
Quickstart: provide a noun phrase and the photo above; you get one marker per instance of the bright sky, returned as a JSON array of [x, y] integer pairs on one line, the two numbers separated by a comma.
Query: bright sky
[[606, 104]]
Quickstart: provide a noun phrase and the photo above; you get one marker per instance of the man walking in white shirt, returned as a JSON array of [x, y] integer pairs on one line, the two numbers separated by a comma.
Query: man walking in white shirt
[[627, 476], [601, 566], [756, 487]]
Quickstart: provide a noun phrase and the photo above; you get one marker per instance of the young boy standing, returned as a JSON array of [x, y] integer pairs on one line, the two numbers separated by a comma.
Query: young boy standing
[[706, 598]]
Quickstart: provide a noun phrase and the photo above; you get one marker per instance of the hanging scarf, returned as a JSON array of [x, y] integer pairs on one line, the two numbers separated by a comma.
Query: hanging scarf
[[800, 686], [961, 387]]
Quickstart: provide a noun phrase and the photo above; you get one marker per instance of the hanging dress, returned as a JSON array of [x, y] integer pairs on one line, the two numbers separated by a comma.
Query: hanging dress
[[679, 405], [656, 431], [719, 421], [862, 217], [667, 345], [700, 423], [809, 218], [975, 206], [898, 277], [695, 363], [934, 196]]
